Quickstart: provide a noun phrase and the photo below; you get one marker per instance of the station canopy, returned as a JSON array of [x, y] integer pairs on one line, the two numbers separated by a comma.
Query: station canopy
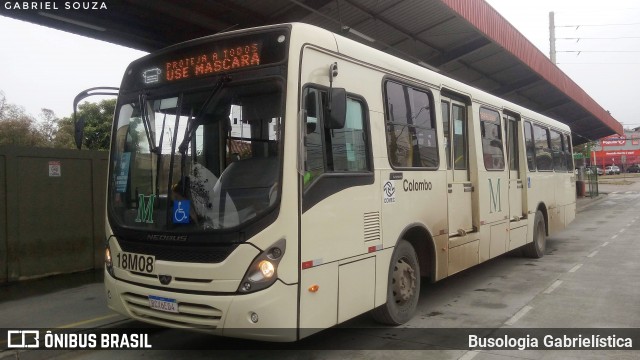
[[465, 39]]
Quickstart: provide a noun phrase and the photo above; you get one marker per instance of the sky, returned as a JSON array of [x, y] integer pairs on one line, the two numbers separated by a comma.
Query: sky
[[45, 68]]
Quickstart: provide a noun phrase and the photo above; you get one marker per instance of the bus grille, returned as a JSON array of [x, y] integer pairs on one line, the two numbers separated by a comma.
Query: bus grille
[[193, 254], [189, 315]]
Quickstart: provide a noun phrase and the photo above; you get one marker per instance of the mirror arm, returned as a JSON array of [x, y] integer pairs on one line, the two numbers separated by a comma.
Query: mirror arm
[[333, 72], [79, 125]]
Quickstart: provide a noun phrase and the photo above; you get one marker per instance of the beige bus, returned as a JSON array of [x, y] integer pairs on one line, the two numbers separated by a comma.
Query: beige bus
[[268, 183]]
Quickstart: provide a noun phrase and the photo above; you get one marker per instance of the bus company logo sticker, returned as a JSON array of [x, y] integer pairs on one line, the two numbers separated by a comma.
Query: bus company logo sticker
[[495, 204], [145, 208], [389, 190], [151, 76], [181, 209]]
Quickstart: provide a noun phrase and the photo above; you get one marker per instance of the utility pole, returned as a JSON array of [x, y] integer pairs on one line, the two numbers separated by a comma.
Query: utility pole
[[552, 37]]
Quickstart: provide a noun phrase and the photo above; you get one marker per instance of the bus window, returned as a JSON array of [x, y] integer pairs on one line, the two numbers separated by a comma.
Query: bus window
[[544, 161], [333, 150], [512, 142], [445, 127], [411, 131], [568, 152], [491, 139], [459, 137], [557, 151], [530, 145]]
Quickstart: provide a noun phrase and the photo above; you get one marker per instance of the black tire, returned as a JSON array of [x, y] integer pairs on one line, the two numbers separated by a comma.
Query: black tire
[[403, 289], [537, 248]]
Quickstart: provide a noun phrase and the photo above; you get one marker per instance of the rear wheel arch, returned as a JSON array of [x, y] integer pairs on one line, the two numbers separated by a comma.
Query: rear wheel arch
[[422, 241]]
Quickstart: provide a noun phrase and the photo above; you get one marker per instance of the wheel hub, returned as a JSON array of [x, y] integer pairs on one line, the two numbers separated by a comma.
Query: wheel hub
[[404, 284]]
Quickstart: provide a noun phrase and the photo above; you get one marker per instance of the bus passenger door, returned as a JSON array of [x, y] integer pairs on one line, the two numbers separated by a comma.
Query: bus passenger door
[[517, 217], [460, 188], [340, 213]]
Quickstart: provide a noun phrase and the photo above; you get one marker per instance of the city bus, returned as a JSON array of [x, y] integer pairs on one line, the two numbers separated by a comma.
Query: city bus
[[272, 182]]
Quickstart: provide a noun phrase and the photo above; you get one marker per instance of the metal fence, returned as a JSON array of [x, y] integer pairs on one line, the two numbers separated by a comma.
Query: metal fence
[[52, 205]]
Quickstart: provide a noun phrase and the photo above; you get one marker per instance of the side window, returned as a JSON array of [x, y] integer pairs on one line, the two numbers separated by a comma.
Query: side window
[[348, 147], [512, 142], [491, 139], [445, 127], [530, 145], [557, 151], [314, 152], [544, 160], [568, 152], [411, 131], [459, 137], [333, 150]]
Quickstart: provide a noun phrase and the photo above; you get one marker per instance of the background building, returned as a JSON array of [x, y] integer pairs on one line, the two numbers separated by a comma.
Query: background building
[[622, 151]]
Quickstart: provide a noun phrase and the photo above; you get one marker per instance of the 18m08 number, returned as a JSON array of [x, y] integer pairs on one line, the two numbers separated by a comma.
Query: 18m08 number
[[135, 262]]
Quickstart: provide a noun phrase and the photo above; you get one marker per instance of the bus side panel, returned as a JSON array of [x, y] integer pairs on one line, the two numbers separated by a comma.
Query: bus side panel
[[319, 308], [351, 281]]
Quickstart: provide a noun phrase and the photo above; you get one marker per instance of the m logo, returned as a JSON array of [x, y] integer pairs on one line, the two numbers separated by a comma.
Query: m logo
[[495, 205], [145, 208]]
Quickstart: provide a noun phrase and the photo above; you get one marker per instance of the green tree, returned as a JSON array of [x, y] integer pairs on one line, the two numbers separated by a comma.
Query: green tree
[[18, 128], [97, 131]]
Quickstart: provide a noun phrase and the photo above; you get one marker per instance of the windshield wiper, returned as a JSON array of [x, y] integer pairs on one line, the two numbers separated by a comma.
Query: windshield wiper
[[191, 128], [191, 124], [142, 99]]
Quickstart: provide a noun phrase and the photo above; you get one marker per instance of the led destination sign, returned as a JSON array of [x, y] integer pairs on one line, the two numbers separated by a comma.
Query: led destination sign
[[207, 57], [225, 59]]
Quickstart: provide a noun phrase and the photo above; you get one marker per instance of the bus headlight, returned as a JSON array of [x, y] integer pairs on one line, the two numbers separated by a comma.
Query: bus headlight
[[264, 268], [108, 263]]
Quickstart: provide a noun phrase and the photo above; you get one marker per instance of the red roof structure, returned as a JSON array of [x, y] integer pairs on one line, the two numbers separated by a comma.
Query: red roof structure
[[465, 39]]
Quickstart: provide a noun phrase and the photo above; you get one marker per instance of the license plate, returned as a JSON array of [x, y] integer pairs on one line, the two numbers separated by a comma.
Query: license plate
[[163, 304], [136, 262]]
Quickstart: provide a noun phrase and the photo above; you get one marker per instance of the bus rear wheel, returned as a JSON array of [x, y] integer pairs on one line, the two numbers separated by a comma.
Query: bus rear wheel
[[403, 289], [536, 249]]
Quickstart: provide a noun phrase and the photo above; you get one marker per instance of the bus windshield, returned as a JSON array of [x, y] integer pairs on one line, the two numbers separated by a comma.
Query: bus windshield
[[197, 161]]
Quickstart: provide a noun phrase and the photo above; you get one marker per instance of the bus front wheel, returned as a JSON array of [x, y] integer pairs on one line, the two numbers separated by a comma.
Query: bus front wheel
[[536, 249], [403, 289]]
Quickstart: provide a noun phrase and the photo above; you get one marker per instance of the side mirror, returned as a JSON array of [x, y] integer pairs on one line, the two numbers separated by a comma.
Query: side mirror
[[79, 124], [79, 132], [336, 114]]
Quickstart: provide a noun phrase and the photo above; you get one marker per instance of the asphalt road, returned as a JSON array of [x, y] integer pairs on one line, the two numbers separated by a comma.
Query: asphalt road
[[587, 279]]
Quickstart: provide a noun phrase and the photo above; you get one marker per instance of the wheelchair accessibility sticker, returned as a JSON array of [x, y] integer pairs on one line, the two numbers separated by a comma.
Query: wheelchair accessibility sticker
[[181, 210]]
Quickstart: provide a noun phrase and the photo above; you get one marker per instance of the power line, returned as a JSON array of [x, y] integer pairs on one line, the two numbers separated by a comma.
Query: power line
[[596, 63], [599, 51], [598, 38], [589, 25]]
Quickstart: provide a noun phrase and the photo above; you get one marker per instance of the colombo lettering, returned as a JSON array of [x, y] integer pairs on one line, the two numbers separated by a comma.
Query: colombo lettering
[[412, 185]]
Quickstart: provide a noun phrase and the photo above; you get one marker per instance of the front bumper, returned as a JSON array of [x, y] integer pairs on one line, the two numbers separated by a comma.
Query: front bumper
[[226, 315]]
